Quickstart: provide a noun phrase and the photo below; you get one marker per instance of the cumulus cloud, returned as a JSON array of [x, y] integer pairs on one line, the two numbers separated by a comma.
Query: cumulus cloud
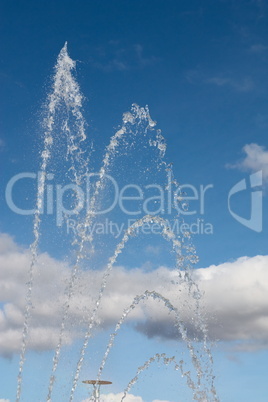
[[235, 300], [14, 265], [236, 295], [256, 158], [235, 304]]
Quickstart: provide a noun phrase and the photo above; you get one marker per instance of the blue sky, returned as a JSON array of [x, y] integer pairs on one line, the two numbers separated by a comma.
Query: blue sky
[[202, 69]]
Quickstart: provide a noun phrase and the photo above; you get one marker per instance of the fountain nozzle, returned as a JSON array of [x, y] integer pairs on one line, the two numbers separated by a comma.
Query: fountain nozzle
[[96, 387]]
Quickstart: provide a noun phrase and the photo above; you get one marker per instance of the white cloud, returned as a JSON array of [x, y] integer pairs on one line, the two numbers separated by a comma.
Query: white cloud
[[256, 159], [143, 60], [258, 48], [236, 296], [262, 120], [235, 300], [115, 57], [234, 82], [118, 398], [155, 250], [159, 400], [231, 81], [4, 400], [219, 81], [2, 146], [244, 85]]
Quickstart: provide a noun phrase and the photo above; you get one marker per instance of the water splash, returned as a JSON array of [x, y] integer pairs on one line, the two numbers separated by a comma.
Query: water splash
[[196, 361], [64, 90], [65, 94], [199, 394], [137, 116], [168, 235], [129, 232], [166, 361], [66, 99]]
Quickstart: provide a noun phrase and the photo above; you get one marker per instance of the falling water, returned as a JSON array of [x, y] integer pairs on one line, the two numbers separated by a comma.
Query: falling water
[[179, 324], [66, 99], [65, 91], [193, 291], [167, 233], [196, 361], [166, 360], [137, 116]]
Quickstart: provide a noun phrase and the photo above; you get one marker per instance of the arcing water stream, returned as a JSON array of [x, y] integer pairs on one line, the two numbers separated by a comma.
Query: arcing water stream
[[64, 119], [65, 92]]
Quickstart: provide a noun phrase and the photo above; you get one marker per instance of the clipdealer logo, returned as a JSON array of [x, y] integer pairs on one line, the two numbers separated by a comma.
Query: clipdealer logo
[[256, 194], [166, 200], [65, 201]]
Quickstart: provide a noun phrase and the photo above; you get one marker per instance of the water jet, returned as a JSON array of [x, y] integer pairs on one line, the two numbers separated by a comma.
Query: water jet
[[64, 135]]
